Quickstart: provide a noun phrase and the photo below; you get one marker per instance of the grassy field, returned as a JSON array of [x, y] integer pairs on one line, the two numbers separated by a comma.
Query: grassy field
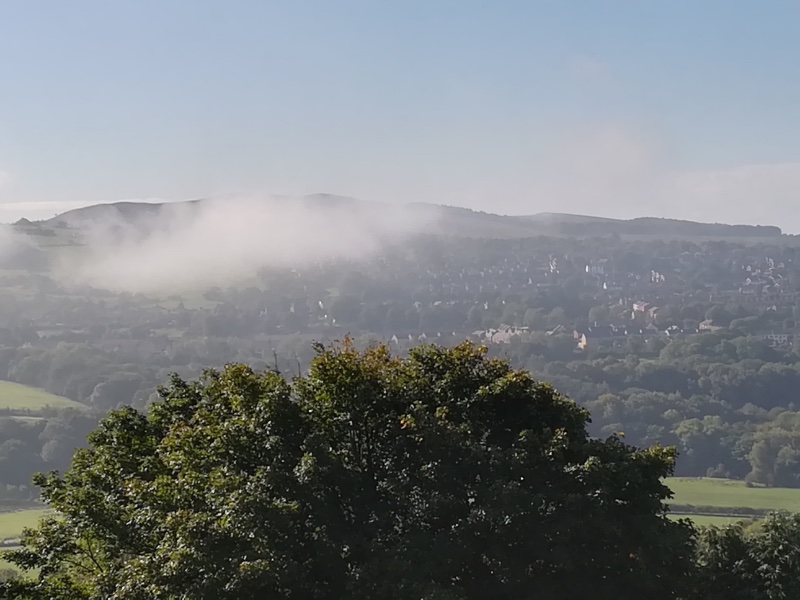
[[12, 523], [16, 396], [708, 520], [725, 493], [11, 526]]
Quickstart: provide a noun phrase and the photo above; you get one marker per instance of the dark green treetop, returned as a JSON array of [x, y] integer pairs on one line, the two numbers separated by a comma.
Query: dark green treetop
[[443, 475]]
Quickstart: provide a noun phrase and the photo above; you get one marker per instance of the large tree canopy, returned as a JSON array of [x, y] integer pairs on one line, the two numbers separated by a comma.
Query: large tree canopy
[[443, 475]]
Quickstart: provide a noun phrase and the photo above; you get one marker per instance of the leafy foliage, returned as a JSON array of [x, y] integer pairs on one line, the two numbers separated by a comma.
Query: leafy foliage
[[761, 562], [443, 475]]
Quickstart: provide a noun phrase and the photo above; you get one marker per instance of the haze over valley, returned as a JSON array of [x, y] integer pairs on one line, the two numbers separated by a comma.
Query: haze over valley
[[167, 248]]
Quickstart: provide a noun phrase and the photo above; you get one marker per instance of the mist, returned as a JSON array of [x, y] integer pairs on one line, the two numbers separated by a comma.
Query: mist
[[622, 171], [181, 247], [18, 252]]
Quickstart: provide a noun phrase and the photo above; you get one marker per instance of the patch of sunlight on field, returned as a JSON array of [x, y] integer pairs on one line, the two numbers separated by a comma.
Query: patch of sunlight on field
[[12, 523], [16, 396], [708, 520], [726, 493]]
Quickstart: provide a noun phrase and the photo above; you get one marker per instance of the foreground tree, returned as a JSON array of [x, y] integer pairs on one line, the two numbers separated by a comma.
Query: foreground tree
[[760, 561], [444, 475]]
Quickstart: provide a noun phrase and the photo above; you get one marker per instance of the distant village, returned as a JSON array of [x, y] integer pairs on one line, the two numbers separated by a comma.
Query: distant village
[[597, 292]]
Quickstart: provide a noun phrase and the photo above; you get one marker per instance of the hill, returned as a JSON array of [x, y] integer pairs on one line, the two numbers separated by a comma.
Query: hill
[[422, 218], [428, 218], [136, 213], [131, 213], [581, 225]]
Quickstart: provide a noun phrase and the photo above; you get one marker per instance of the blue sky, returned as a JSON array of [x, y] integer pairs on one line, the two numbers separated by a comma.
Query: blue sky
[[681, 108]]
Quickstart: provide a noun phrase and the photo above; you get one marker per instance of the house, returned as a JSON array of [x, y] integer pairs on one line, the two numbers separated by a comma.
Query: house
[[708, 325], [641, 306], [777, 340], [581, 339], [502, 335], [599, 333], [598, 268]]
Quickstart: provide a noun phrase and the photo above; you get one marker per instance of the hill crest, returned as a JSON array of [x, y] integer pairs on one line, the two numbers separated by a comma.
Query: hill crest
[[450, 220]]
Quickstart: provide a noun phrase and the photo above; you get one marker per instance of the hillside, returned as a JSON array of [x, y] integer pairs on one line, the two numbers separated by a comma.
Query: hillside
[[135, 213], [422, 218], [581, 225], [428, 218], [132, 213]]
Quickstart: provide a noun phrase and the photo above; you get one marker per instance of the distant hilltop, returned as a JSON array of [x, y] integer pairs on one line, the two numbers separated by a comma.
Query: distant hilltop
[[444, 220], [654, 226], [137, 213]]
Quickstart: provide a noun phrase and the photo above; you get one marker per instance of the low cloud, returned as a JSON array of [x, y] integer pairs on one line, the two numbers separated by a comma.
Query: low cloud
[[618, 172], [758, 193], [600, 172], [18, 252], [196, 245]]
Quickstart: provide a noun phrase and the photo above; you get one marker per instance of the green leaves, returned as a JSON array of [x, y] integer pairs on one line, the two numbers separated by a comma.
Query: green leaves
[[443, 475], [760, 562]]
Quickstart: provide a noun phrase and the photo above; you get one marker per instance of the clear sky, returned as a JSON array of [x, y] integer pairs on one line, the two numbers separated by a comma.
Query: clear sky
[[684, 108]]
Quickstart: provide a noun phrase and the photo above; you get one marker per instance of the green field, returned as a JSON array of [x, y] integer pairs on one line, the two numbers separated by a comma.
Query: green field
[[16, 396], [11, 526], [725, 493], [12, 523], [708, 520]]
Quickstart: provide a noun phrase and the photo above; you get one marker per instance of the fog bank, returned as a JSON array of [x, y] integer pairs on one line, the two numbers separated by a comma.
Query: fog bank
[[186, 246]]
